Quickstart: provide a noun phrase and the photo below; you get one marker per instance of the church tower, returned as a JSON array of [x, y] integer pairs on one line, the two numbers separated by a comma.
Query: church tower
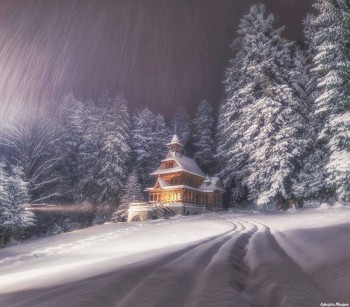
[[175, 145]]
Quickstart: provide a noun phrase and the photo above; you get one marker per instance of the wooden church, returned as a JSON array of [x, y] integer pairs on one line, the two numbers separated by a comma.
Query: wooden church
[[181, 188]]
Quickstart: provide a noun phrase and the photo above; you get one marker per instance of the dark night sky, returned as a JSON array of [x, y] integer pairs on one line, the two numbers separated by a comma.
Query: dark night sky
[[161, 53]]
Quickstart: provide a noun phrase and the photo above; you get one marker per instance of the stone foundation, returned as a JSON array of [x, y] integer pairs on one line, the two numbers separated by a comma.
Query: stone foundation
[[140, 212], [193, 210], [146, 211]]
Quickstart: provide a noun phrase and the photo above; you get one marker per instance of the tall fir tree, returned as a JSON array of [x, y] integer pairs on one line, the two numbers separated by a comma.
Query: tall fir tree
[[150, 135], [132, 192], [162, 136], [311, 180], [142, 144], [231, 163], [72, 144], [115, 152], [181, 125], [36, 147], [89, 153], [264, 128], [204, 136], [13, 197], [332, 66]]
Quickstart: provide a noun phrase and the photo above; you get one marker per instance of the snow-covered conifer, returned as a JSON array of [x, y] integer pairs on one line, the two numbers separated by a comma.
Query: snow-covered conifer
[[36, 147], [181, 125], [162, 136], [230, 160], [72, 144], [89, 152], [332, 66], [310, 182], [143, 144], [115, 152], [149, 138], [132, 192], [204, 136], [13, 197], [263, 126]]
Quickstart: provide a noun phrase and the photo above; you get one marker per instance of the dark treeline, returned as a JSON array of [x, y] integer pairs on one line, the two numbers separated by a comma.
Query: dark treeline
[[280, 137]]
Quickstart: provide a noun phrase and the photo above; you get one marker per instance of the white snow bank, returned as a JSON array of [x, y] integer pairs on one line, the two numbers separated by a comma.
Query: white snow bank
[[317, 241], [299, 258], [73, 256]]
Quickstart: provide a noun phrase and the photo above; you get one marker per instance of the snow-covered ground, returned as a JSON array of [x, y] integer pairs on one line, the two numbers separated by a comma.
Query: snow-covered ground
[[299, 258]]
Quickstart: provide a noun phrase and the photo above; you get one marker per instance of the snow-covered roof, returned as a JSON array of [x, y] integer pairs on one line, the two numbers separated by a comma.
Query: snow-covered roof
[[184, 164], [207, 180], [175, 140], [166, 171], [163, 184], [211, 184]]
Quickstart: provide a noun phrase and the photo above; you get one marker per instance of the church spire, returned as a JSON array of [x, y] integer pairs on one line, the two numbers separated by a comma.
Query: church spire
[[175, 144]]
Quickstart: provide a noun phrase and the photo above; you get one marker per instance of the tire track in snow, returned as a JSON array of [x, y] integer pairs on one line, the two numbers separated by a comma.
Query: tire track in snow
[[245, 267], [174, 280], [118, 284], [228, 269], [178, 279], [276, 280]]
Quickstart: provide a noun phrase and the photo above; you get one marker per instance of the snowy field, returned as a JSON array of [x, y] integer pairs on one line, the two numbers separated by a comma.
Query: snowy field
[[298, 258]]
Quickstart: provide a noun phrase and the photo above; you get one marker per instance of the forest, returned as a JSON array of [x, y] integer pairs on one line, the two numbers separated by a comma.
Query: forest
[[279, 138]]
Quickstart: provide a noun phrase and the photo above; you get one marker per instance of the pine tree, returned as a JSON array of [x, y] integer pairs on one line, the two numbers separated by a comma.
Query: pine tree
[[310, 183], [332, 66], [233, 74], [181, 125], [161, 136], [275, 146], [132, 193], [13, 196], [264, 128], [114, 153], [36, 147], [72, 144], [143, 144], [204, 134], [89, 153], [230, 159]]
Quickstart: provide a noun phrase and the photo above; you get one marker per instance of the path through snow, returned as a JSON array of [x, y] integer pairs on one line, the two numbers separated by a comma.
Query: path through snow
[[227, 259]]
